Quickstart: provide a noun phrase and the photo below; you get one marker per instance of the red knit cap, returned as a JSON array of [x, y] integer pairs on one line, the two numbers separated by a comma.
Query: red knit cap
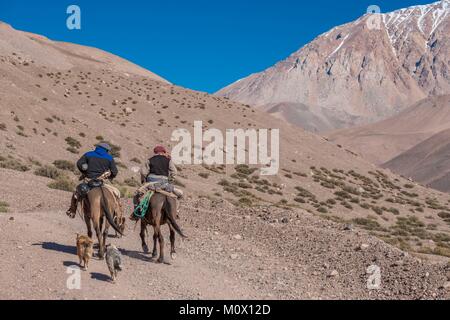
[[159, 149]]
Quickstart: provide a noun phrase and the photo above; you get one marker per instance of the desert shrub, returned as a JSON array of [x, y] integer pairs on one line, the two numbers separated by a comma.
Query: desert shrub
[[354, 200], [48, 172], [410, 195], [99, 138], [64, 165], [204, 175], [73, 143], [136, 160], [63, 183], [322, 210], [245, 169], [73, 150], [245, 185], [342, 194], [224, 183], [444, 215], [131, 182], [245, 201], [124, 191], [377, 210], [34, 162], [13, 164], [347, 205], [367, 223], [434, 204], [4, 207], [365, 206], [327, 184], [351, 190], [301, 174], [438, 250], [2, 127], [304, 193], [409, 186], [410, 226], [394, 211], [299, 200]]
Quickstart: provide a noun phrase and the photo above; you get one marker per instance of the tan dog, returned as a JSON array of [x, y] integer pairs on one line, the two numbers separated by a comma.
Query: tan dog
[[85, 246]]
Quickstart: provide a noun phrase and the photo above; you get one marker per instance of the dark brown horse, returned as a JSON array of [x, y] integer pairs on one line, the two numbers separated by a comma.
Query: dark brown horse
[[162, 210], [100, 204]]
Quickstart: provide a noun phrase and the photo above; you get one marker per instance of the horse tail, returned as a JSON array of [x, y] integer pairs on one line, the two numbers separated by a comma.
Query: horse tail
[[108, 215], [173, 222]]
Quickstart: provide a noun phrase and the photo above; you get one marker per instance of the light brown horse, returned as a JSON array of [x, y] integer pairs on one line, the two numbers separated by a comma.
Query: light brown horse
[[162, 210], [100, 204]]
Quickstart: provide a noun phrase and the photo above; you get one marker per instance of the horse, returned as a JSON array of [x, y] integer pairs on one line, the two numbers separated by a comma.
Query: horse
[[162, 210], [101, 203]]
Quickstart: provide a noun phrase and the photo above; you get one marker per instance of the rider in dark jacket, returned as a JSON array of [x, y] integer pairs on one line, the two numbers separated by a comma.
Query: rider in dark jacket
[[93, 165]]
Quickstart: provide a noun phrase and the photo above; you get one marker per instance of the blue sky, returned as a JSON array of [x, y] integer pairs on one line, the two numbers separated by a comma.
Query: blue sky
[[199, 44]]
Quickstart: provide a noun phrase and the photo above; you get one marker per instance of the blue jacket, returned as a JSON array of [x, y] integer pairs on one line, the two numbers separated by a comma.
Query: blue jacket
[[95, 163]]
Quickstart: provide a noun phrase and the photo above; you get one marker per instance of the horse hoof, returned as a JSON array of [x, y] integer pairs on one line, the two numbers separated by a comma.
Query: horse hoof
[[173, 256], [145, 249]]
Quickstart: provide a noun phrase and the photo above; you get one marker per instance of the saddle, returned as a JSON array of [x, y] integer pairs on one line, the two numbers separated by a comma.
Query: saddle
[[163, 187], [84, 188]]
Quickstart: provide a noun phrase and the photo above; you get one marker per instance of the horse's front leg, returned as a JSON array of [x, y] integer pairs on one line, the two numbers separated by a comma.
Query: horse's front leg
[[158, 234], [87, 220]]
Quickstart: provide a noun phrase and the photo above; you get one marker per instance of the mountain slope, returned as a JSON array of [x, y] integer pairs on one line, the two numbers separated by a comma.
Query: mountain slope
[[360, 74], [56, 109], [37, 49], [381, 141], [427, 162]]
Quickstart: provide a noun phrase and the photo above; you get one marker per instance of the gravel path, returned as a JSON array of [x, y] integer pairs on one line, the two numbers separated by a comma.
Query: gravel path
[[230, 254]]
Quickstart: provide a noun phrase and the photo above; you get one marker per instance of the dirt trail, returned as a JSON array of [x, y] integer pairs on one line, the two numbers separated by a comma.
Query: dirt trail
[[38, 247], [231, 253]]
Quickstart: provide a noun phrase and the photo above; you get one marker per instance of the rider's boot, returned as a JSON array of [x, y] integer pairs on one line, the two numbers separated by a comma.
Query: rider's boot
[[136, 201], [72, 211]]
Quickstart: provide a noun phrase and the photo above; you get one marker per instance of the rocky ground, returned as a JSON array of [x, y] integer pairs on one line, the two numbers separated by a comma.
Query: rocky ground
[[231, 253], [249, 237]]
